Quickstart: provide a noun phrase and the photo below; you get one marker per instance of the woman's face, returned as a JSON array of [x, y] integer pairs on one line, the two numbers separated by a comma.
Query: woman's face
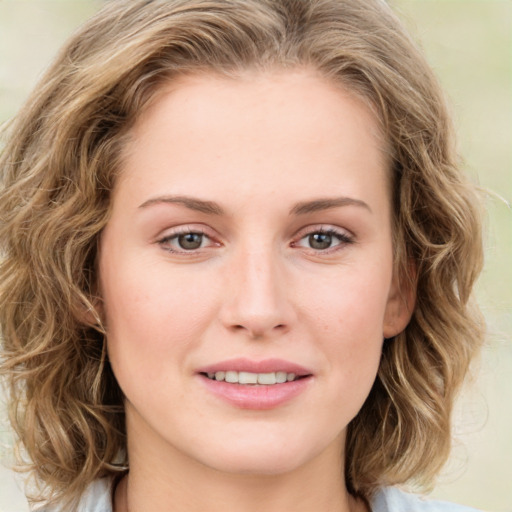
[[249, 243]]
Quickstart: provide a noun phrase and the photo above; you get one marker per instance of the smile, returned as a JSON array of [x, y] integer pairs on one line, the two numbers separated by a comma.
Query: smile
[[249, 378], [256, 385]]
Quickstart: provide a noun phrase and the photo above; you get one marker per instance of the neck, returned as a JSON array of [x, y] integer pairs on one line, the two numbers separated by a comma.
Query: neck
[[184, 485]]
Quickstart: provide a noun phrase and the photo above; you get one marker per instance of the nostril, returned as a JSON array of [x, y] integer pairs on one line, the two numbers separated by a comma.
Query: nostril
[[277, 329], [257, 331]]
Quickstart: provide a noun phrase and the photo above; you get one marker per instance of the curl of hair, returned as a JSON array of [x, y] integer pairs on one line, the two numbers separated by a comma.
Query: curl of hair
[[59, 165]]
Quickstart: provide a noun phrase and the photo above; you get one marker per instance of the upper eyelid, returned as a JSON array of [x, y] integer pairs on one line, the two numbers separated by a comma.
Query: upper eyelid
[[183, 229], [205, 231], [192, 228], [325, 228], [174, 232], [345, 237]]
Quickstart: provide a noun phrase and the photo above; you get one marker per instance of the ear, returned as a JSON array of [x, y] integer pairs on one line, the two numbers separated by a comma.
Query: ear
[[401, 302], [90, 313]]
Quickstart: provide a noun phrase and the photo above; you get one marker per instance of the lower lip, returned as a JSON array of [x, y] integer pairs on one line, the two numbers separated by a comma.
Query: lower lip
[[256, 397]]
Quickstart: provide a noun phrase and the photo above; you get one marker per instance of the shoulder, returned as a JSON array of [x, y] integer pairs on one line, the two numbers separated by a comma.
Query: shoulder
[[96, 498], [391, 499]]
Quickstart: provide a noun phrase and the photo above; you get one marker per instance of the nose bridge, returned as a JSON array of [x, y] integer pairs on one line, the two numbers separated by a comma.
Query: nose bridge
[[257, 302]]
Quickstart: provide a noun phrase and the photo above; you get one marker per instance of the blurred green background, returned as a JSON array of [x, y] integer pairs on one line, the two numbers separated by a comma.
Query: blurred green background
[[469, 44]]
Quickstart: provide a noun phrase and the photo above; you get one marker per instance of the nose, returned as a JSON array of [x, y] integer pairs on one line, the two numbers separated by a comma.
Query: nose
[[256, 301]]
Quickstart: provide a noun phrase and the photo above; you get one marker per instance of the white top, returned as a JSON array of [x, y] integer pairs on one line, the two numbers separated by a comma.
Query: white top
[[98, 498]]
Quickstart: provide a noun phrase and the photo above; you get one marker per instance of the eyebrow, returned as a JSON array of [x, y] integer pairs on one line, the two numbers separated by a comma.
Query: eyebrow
[[326, 204], [199, 205], [212, 208]]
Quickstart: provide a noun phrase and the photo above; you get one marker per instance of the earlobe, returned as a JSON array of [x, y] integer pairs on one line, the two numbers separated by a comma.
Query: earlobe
[[400, 305]]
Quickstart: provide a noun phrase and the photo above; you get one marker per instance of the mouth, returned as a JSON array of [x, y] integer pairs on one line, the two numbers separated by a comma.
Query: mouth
[[253, 379], [257, 385]]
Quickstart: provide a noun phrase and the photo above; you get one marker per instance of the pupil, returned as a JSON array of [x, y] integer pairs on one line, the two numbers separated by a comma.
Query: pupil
[[190, 241], [320, 240]]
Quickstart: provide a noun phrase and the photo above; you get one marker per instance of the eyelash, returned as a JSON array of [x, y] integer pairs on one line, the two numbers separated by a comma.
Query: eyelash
[[166, 240], [343, 238]]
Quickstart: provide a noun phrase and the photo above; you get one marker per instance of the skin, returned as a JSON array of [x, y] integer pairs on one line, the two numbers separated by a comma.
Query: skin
[[265, 148]]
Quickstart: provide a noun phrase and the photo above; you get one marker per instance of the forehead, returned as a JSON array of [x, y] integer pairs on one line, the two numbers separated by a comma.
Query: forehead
[[206, 94], [269, 126]]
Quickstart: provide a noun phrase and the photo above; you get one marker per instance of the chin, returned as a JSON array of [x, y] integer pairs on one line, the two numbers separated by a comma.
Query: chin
[[263, 456], [257, 465]]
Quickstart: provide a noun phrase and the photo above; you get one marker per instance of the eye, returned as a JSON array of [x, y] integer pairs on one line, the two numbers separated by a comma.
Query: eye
[[190, 241], [324, 239], [186, 241]]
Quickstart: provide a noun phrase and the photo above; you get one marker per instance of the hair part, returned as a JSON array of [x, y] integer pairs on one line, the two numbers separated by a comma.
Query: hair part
[[60, 164]]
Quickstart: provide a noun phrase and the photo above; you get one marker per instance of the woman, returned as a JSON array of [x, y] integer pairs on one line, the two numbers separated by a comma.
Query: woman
[[238, 261]]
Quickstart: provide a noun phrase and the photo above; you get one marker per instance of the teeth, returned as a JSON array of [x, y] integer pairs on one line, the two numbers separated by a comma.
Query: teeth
[[266, 379], [247, 378], [281, 377], [231, 377]]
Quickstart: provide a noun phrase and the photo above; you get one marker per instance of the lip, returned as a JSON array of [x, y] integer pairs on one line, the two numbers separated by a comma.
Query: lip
[[248, 365], [256, 397]]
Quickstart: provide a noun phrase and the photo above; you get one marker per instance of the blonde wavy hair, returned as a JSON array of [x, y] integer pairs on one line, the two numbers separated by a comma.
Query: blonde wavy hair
[[59, 165]]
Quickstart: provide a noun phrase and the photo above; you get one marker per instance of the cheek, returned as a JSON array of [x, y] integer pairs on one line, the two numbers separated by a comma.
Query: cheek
[[345, 316], [351, 305], [152, 318]]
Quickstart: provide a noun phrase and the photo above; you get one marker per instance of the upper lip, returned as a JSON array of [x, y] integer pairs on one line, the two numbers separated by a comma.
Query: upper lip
[[249, 365]]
